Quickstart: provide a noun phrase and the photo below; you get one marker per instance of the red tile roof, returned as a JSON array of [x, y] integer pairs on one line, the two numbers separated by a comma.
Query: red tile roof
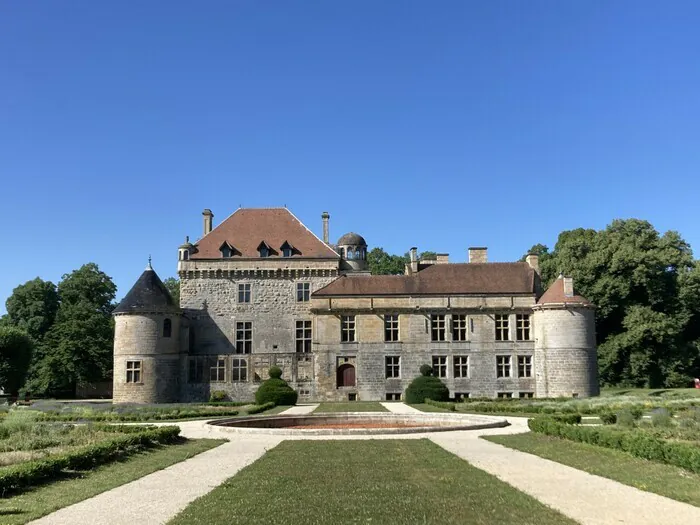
[[440, 279], [247, 228], [555, 295]]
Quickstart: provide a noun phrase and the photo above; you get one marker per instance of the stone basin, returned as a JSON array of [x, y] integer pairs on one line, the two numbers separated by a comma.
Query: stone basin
[[357, 423]]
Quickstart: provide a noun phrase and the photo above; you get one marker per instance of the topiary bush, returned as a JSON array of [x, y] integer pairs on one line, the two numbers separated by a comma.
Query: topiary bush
[[276, 390], [217, 395], [426, 386]]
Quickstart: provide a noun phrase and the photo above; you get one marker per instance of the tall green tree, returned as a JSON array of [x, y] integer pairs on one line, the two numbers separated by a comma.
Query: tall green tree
[[15, 356], [173, 286], [32, 307], [382, 263]]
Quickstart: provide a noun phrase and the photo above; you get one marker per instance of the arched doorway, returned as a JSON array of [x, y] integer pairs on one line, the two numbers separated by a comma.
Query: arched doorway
[[345, 375]]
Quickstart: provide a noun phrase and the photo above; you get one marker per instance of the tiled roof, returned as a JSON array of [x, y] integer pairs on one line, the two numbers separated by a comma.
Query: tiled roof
[[441, 279], [555, 295], [247, 228], [148, 294]]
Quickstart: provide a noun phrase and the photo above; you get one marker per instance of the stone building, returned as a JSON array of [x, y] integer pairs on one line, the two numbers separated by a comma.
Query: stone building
[[261, 289]]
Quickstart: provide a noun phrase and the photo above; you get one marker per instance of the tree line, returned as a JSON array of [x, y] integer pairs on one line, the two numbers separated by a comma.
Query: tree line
[[645, 285]]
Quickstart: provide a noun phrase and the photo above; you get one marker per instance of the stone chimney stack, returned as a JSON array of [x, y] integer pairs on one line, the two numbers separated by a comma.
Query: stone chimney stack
[[568, 287], [533, 261], [443, 258], [478, 255], [208, 219], [414, 259], [325, 216]]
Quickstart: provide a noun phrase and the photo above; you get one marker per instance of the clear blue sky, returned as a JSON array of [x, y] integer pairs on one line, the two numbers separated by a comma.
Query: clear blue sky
[[435, 124]]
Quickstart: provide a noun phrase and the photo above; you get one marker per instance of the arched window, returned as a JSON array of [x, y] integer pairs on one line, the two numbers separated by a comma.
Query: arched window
[[357, 254], [342, 253], [167, 328], [185, 255], [349, 256]]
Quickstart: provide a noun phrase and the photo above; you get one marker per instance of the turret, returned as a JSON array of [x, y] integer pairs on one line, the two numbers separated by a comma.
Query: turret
[[566, 363], [147, 343], [353, 252]]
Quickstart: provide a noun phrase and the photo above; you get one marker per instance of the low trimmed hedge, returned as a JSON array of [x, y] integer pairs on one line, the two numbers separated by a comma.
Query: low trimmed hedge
[[31, 473], [164, 415], [447, 405], [256, 409], [634, 442], [569, 419]]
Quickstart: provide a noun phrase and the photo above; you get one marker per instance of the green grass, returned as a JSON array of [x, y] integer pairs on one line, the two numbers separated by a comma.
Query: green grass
[[370, 481], [48, 498], [351, 406], [665, 480], [668, 393]]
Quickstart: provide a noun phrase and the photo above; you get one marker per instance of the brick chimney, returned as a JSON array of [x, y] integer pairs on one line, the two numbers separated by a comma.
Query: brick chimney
[[533, 261], [208, 219], [443, 258], [478, 255], [325, 216]]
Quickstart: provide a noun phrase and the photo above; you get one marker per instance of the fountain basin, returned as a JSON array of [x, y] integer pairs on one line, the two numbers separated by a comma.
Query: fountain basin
[[357, 423]]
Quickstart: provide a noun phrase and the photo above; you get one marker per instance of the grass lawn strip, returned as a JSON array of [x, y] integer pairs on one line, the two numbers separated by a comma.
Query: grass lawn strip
[[665, 480], [370, 481], [353, 406], [43, 500]]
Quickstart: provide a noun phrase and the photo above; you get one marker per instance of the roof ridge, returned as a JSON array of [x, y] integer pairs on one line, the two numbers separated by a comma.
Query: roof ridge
[[312, 233]]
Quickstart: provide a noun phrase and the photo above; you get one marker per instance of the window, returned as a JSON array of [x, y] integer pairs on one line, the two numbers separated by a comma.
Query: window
[[286, 252], [526, 395], [347, 328], [461, 366], [524, 366], [461, 396], [342, 253], [217, 373], [391, 328], [167, 328], [303, 290], [244, 337], [504, 395], [239, 369], [244, 292], [393, 397], [501, 327], [392, 366], [502, 366], [522, 331], [440, 366], [133, 371], [303, 336], [437, 324], [264, 251], [459, 327], [196, 371], [225, 251]]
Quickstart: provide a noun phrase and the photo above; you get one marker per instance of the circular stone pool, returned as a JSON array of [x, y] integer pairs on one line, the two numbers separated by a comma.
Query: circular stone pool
[[357, 423]]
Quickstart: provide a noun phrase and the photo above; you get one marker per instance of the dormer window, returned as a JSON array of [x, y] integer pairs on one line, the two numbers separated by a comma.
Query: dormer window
[[265, 250], [288, 250], [227, 250]]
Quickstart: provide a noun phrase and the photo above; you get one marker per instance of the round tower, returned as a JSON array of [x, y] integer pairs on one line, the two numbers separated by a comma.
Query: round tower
[[147, 344], [353, 252], [566, 362]]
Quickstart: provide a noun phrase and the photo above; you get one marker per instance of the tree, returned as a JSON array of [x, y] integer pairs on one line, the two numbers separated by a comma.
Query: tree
[[15, 355], [173, 286], [32, 307], [382, 263]]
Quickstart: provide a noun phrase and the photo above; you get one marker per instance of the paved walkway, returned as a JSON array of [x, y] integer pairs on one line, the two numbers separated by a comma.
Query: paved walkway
[[400, 408], [588, 499], [299, 410]]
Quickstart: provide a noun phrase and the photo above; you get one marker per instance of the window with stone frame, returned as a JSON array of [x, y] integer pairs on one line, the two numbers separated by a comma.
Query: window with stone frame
[[502, 366], [440, 365], [133, 371], [303, 292], [522, 327], [504, 395], [459, 327], [195, 372], [217, 372], [239, 369], [243, 292], [392, 367], [437, 327], [524, 366], [460, 396], [461, 366], [244, 337], [391, 328], [395, 396], [501, 327], [303, 336], [347, 328], [526, 395], [167, 328]]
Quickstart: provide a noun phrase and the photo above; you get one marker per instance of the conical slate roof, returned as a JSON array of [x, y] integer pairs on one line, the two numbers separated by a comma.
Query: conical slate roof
[[555, 294], [149, 294]]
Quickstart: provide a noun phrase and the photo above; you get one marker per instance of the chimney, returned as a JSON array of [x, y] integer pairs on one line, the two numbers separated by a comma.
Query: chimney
[[568, 287], [325, 216], [443, 258], [208, 217], [478, 255], [533, 261], [414, 259]]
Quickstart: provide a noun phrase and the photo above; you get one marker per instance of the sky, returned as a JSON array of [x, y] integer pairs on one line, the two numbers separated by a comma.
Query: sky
[[440, 125]]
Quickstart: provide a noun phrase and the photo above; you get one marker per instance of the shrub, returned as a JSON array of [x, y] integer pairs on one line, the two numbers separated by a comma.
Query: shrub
[[569, 419], [441, 404], [256, 409], [661, 417], [625, 418], [276, 390], [637, 412], [426, 386], [608, 418], [217, 396], [426, 370]]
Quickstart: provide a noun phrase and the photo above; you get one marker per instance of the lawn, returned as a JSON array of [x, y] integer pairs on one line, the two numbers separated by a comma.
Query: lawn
[[45, 499], [352, 406], [369, 481], [666, 480]]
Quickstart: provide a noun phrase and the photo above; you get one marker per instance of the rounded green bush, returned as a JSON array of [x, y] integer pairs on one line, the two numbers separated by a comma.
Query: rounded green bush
[[426, 387], [276, 390], [426, 370]]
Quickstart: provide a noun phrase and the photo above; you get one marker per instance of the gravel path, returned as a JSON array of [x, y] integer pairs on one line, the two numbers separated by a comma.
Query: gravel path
[[400, 408], [300, 410]]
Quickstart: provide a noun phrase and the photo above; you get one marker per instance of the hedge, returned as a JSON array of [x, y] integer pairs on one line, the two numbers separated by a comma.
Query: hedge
[[136, 417], [447, 405], [30, 473], [634, 442], [256, 409]]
